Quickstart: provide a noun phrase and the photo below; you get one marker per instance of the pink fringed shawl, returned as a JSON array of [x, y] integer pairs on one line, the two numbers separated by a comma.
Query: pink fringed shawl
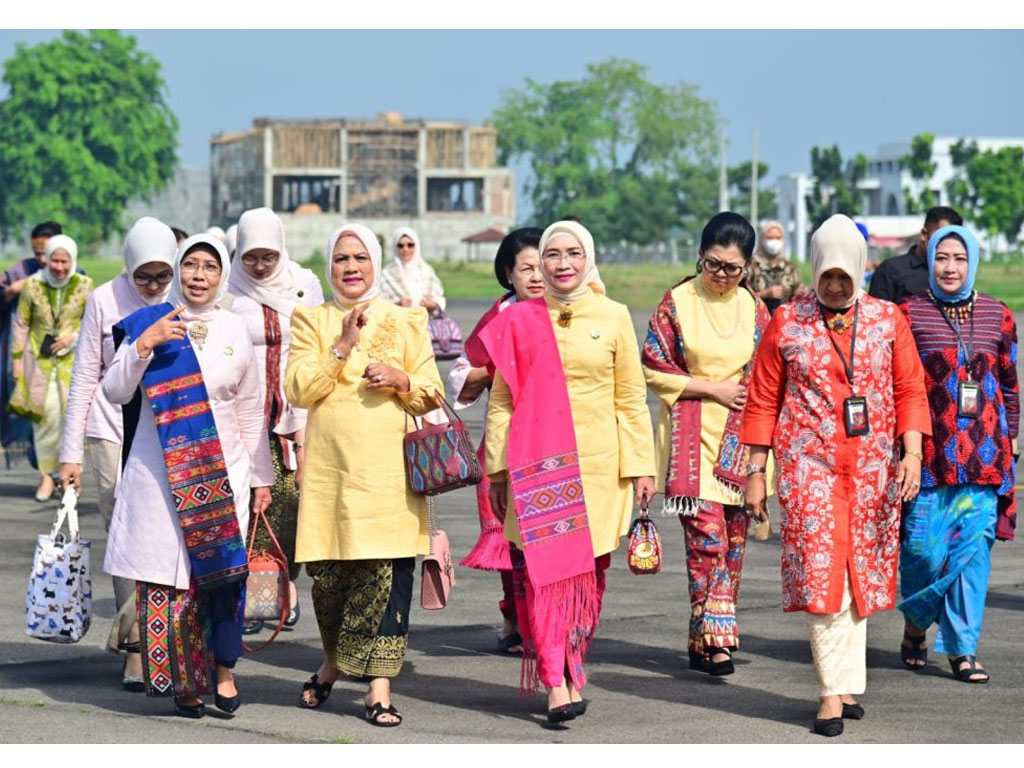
[[547, 489]]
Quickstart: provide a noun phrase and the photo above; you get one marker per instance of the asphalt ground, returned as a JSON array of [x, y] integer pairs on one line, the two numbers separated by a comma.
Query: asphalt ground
[[456, 688]]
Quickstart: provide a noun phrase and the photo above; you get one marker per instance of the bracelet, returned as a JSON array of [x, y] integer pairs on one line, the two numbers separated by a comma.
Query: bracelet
[[338, 356], [753, 469], [916, 454]]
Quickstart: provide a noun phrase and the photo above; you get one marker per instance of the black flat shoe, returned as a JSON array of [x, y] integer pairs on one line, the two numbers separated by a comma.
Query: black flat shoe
[[719, 668], [579, 708], [194, 711], [562, 714], [227, 704], [252, 627], [829, 727], [293, 616], [853, 711]]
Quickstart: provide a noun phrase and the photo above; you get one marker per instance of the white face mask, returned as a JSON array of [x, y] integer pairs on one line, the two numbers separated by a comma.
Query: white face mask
[[773, 247]]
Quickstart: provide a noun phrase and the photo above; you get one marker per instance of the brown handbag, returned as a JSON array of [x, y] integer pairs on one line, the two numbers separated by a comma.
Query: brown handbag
[[266, 588]]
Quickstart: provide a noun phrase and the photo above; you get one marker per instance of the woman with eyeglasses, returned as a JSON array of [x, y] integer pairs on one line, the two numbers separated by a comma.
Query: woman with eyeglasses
[[409, 281], [93, 430], [837, 387], [697, 359], [45, 336], [268, 286], [569, 450], [186, 377]]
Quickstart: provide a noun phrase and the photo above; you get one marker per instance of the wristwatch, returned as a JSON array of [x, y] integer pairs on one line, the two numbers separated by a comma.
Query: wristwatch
[[337, 355], [753, 469]]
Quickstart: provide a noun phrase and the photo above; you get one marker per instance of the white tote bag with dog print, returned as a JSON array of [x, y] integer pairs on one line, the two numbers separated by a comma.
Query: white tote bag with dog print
[[58, 606]]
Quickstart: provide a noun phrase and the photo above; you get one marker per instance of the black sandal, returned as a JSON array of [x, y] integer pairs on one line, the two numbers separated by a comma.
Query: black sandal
[[918, 651], [719, 668], [320, 692], [373, 715], [973, 668], [132, 683], [507, 643]]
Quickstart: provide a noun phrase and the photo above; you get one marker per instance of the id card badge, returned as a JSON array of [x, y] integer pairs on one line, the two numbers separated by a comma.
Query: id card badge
[[855, 415], [968, 402]]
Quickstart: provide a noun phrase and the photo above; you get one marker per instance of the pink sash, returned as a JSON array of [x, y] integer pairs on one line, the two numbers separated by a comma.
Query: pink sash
[[544, 474]]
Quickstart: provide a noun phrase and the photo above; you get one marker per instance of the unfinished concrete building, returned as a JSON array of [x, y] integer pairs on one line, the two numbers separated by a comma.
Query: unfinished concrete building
[[442, 179]]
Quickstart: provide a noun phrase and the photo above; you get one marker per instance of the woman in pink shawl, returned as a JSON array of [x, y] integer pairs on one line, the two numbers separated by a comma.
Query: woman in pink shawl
[[517, 268], [569, 448]]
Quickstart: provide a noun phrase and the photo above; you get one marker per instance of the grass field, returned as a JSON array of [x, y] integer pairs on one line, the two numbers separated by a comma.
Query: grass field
[[635, 285]]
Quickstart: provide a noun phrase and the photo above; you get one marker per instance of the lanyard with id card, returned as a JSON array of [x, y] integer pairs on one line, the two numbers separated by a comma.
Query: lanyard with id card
[[855, 407], [968, 393]]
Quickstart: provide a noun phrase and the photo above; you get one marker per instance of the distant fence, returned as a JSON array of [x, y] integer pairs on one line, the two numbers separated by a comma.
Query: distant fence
[[666, 252]]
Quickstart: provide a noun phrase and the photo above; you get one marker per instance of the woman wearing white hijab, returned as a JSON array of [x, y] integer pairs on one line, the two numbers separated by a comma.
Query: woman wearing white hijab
[[360, 365], [46, 326], [837, 385], [600, 371], [215, 447], [268, 286], [409, 280], [93, 425]]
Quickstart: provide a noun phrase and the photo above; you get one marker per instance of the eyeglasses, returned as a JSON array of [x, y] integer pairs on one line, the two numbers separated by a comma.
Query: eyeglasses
[[573, 257], [714, 266], [267, 259], [145, 280], [207, 267]]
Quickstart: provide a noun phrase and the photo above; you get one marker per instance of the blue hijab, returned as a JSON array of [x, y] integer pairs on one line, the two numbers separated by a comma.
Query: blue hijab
[[973, 255]]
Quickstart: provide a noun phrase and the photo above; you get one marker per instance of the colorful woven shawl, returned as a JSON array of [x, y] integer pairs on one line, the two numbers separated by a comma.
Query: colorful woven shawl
[[196, 469], [664, 351], [544, 472]]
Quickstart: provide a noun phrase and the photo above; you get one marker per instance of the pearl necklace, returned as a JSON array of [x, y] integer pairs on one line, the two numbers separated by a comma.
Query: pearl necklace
[[710, 319]]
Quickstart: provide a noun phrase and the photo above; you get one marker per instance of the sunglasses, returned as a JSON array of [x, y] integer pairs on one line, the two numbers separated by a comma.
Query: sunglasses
[[714, 266], [406, 245], [162, 279]]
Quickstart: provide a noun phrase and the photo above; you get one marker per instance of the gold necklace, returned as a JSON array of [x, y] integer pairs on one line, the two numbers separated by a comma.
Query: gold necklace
[[707, 313]]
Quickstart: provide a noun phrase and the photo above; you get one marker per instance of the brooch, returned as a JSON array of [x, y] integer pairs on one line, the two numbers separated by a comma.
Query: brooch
[[565, 317], [595, 334], [839, 323], [229, 351], [198, 332]]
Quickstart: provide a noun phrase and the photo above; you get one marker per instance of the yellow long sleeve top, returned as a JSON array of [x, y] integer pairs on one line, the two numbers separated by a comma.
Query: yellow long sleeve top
[[355, 502], [607, 395]]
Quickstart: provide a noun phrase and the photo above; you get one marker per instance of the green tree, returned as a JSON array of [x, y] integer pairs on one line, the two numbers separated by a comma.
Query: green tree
[[85, 128], [919, 162], [989, 187], [613, 148], [739, 191], [835, 186]]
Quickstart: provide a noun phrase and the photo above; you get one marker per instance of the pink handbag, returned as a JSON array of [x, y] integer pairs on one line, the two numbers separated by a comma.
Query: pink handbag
[[437, 574]]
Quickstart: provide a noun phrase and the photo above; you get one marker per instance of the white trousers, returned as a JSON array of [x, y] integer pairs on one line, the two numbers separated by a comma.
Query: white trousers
[[839, 644]]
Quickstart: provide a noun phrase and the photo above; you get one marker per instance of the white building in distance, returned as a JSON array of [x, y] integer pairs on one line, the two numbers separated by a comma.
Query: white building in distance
[[884, 211]]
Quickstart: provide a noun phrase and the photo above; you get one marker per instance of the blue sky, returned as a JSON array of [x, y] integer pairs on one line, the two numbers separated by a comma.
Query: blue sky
[[801, 88]]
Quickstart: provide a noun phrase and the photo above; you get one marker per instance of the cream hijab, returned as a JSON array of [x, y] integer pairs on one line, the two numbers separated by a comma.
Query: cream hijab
[[261, 228], [149, 241], [414, 272], [591, 277], [177, 295], [838, 244], [60, 243], [369, 241]]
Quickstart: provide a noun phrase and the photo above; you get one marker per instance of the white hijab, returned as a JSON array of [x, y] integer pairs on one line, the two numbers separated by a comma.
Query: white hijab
[[177, 296], [60, 243], [261, 228], [148, 241], [413, 273], [369, 241], [231, 239], [838, 244], [591, 277]]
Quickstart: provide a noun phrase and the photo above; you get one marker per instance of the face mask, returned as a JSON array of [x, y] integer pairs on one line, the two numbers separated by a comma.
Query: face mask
[[773, 247]]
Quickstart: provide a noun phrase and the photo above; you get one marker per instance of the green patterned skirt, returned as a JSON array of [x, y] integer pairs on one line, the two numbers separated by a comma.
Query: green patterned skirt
[[362, 609]]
